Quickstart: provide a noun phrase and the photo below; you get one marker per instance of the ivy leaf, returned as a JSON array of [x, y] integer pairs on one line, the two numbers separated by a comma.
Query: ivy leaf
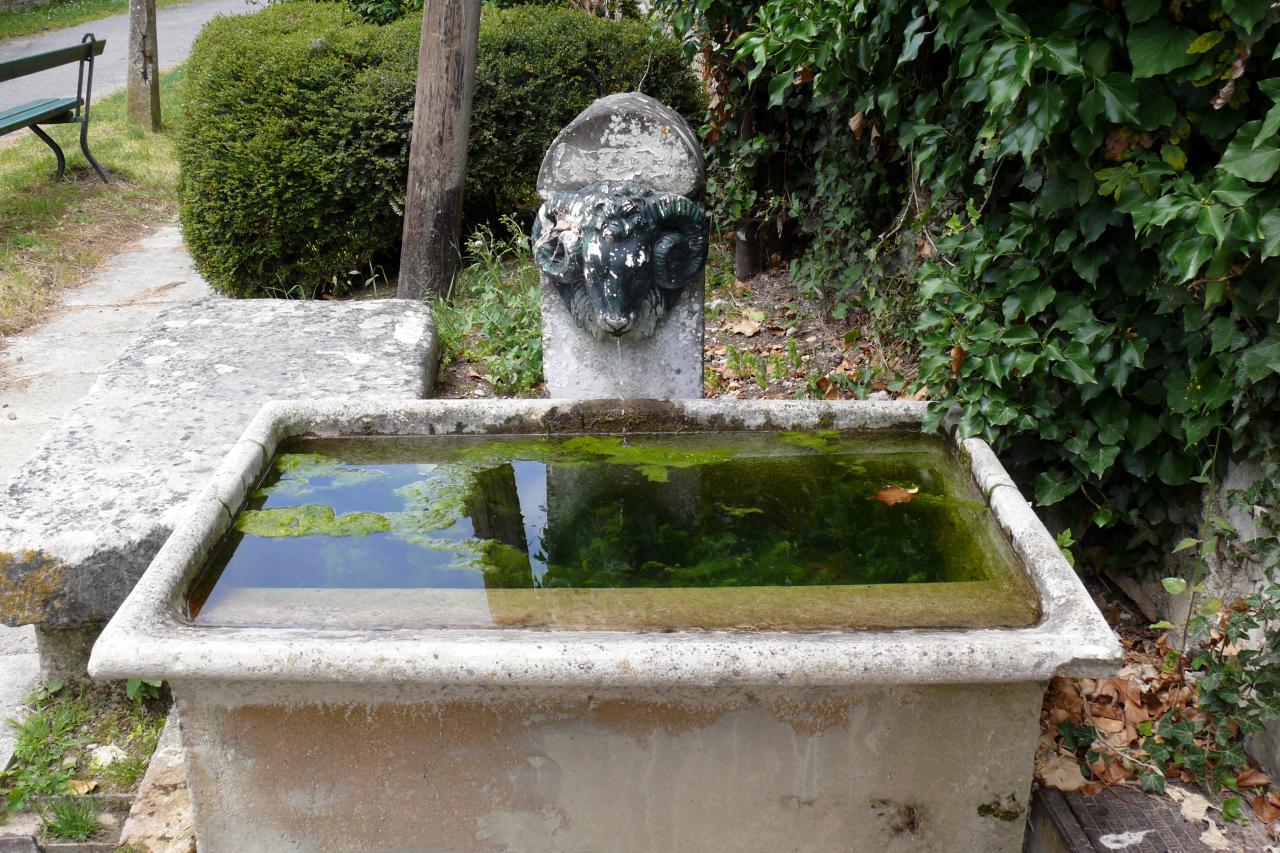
[[1012, 24], [1270, 124], [1190, 254], [1261, 359], [1053, 486], [1099, 459], [1247, 158], [1060, 56], [1247, 13], [1174, 156], [1189, 542], [1212, 222], [1175, 470], [1138, 11], [1206, 42], [1044, 106], [1269, 225], [1157, 47], [915, 37], [1119, 97], [1174, 586], [1233, 192], [778, 88]]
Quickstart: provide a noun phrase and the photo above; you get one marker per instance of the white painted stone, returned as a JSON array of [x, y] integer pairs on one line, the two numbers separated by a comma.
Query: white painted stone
[[491, 740]]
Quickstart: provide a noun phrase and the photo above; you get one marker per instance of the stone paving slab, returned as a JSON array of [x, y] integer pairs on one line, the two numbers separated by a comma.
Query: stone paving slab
[[85, 514], [45, 371], [19, 672]]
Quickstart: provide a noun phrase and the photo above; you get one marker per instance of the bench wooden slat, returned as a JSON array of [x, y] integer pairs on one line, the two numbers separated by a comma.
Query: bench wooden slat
[[36, 111], [24, 65]]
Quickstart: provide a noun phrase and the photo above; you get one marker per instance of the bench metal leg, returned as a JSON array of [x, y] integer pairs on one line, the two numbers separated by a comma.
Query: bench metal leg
[[48, 140], [84, 146]]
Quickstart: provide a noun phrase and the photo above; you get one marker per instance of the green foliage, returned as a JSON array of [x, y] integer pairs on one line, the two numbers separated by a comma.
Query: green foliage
[[142, 689], [1233, 651], [493, 315], [71, 818], [296, 152], [1080, 207], [53, 742], [537, 68], [294, 157]]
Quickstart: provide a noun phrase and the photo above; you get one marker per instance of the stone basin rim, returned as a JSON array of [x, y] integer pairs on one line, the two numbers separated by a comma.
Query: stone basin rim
[[148, 638]]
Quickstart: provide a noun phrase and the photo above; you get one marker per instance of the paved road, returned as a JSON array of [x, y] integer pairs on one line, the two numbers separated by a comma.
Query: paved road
[[176, 29]]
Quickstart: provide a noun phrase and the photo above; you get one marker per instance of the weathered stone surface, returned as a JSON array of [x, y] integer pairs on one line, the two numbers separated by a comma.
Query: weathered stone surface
[[161, 820], [666, 365], [341, 738], [86, 513], [610, 328], [625, 137]]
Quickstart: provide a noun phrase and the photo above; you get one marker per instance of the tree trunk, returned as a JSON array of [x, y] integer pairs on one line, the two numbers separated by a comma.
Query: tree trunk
[[438, 147], [748, 249], [143, 97]]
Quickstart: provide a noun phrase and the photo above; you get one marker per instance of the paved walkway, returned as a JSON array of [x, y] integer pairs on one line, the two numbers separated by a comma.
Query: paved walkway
[[176, 29], [46, 370]]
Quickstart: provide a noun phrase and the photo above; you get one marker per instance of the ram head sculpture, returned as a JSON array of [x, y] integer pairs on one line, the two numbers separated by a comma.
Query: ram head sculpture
[[620, 253]]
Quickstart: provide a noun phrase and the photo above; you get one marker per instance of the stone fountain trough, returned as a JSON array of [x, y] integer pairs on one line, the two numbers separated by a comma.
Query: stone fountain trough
[[352, 731]]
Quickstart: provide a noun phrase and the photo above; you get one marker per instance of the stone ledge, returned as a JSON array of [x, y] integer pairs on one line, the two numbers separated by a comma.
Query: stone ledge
[[85, 514]]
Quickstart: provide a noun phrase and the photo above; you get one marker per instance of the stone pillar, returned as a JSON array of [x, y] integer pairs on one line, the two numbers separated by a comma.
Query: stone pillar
[[64, 652], [621, 240]]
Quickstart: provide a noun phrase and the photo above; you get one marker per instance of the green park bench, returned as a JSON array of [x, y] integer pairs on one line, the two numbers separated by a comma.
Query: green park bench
[[55, 110]]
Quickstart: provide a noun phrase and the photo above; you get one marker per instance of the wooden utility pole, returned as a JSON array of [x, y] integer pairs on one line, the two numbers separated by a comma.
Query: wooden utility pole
[[143, 99], [438, 147]]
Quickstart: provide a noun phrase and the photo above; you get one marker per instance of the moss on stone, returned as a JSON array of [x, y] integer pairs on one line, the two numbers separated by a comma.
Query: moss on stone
[[309, 520]]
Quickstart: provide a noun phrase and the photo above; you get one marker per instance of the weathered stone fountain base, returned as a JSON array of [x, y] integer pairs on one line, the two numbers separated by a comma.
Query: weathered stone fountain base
[[666, 365], [343, 737], [944, 767]]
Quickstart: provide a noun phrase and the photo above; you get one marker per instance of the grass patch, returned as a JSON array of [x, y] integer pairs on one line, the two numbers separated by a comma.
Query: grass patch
[[52, 233], [64, 13], [77, 739], [71, 819], [492, 315]]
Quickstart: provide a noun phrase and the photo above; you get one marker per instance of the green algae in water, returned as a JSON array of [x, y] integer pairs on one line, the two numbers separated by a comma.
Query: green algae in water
[[648, 531]]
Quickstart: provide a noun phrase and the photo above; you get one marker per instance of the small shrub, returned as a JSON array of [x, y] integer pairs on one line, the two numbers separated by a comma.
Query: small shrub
[[293, 162], [295, 159]]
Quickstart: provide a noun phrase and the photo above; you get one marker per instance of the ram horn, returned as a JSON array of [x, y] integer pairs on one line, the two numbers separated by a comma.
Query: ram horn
[[557, 253], [680, 249]]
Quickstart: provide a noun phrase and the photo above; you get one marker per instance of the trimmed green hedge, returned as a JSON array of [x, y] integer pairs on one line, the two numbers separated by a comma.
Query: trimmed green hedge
[[295, 155]]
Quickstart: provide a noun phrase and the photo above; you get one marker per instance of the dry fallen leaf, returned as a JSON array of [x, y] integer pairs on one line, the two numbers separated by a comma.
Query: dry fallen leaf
[[1213, 838], [745, 326], [80, 787], [1266, 811], [1060, 772], [1253, 778], [891, 495]]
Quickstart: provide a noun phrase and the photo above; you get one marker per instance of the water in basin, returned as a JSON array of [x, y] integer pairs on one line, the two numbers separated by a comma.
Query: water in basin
[[736, 531]]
